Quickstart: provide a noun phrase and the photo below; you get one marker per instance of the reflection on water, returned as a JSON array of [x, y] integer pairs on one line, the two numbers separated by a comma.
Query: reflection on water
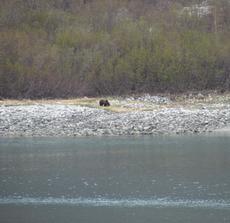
[[171, 173], [105, 202]]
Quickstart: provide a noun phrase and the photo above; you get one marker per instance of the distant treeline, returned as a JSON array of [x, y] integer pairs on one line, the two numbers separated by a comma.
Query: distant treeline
[[67, 48]]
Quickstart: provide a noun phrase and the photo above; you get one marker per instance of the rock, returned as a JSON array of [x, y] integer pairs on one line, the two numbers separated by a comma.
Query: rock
[[200, 96], [71, 120]]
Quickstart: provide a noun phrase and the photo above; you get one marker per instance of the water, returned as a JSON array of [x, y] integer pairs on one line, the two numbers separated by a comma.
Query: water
[[116, 179]]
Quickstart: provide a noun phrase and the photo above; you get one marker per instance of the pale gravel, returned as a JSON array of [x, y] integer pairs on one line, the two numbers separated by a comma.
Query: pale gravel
[[70, 120]]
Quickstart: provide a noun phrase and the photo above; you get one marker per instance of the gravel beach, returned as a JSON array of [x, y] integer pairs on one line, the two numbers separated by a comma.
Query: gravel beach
[[161, 116]]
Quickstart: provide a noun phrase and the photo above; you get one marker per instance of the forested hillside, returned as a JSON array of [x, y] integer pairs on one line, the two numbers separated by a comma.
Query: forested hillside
[[68, 48]]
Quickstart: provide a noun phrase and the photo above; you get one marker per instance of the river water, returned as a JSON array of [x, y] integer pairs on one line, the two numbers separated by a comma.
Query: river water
[[115, 179]]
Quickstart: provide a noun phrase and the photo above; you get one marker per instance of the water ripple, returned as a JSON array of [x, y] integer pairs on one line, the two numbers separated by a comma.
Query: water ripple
[[107, 202]]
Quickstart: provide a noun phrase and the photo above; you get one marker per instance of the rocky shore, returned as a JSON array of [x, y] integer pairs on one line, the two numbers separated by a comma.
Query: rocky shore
[[148, 115]]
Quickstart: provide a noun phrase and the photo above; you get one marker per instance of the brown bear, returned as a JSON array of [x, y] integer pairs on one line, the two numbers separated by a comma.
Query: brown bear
[[104, 103]]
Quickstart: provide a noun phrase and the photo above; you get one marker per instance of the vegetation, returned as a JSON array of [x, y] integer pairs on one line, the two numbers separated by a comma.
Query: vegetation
[[68, 48]]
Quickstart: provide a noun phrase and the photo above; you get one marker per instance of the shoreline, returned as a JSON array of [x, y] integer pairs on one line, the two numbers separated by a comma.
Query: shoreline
[[130, 116]]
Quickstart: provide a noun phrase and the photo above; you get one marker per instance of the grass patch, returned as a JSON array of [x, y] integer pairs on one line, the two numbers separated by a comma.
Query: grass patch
[[121, 105]]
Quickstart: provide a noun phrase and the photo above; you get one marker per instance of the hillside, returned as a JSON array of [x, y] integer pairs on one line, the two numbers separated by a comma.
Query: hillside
[[71, 48]]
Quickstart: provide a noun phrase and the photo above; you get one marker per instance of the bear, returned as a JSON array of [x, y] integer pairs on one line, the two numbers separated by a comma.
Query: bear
[[104, 103]]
